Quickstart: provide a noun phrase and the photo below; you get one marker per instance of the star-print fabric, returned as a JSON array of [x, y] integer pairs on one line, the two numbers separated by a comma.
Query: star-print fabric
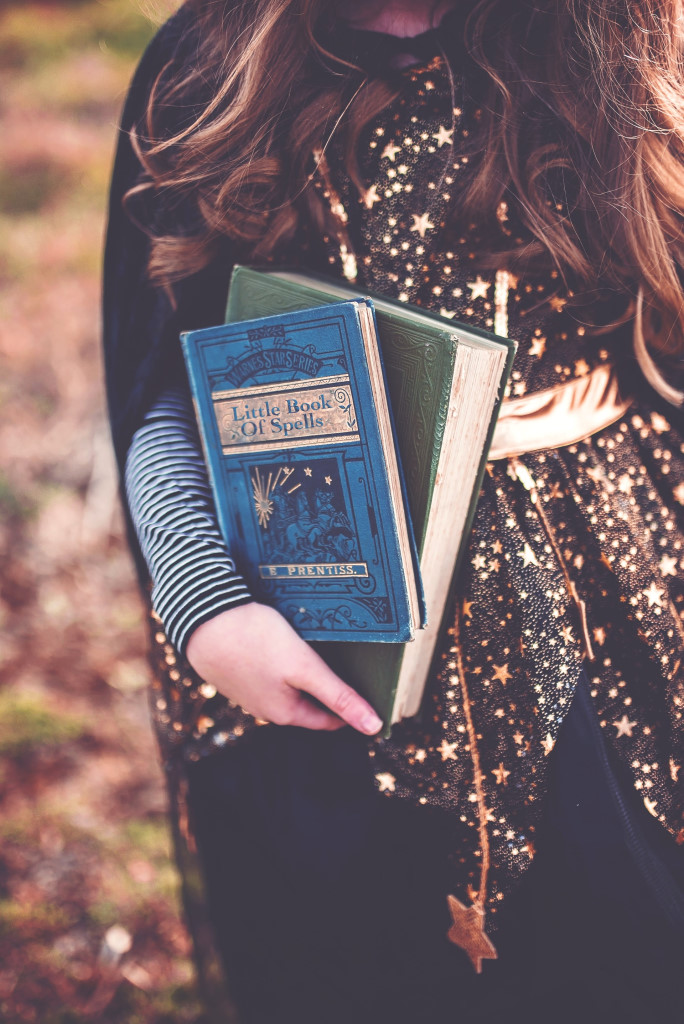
[[575, 556]]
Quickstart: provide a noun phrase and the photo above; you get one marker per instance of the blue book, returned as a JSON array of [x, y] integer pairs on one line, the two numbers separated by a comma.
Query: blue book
[[299, 443]]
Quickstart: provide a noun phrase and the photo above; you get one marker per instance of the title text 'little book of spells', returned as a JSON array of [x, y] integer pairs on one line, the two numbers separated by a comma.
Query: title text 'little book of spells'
[[298, 439]]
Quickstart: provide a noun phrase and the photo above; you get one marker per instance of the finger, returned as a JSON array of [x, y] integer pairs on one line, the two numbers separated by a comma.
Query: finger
[[307, 716], [343, 700]]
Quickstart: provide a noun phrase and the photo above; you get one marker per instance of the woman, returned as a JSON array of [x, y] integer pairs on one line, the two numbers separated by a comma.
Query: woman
[[517, 166]]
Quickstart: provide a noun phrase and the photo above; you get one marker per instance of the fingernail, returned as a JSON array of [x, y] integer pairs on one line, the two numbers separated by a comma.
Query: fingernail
[[371, 723]]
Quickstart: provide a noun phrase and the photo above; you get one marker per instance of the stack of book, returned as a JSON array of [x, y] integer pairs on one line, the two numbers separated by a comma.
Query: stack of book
[[311, 401]]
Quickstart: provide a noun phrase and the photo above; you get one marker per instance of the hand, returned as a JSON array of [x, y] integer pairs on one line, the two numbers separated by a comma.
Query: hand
[[254, 657]]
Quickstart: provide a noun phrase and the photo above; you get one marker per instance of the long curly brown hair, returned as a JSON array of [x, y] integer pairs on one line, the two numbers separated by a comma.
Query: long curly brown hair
[[585, 96]]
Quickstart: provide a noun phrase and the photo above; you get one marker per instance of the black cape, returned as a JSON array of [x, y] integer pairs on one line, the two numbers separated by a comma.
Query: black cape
[[141, 324]]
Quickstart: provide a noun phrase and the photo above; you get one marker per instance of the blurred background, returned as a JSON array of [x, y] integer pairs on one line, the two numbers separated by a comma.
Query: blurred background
[[90, 927]]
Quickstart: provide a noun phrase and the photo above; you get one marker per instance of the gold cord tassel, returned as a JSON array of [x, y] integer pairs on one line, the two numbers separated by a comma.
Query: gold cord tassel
[[525, 477], [467, 929]]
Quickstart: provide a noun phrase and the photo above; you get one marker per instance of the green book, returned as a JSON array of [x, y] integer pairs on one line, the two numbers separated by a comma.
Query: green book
[[445, 381]]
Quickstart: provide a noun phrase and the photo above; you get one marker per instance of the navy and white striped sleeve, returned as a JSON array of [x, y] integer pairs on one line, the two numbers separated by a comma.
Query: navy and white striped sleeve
[[192, 572]]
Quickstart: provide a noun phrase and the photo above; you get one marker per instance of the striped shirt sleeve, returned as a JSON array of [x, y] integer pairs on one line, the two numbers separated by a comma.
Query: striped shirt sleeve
[[193, 574]]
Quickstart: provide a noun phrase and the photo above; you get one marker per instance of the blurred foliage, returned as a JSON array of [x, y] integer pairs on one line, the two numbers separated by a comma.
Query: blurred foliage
[[29, 187], [84, 843], [70, 62], [13, 504], [26, 725], [62, 29]]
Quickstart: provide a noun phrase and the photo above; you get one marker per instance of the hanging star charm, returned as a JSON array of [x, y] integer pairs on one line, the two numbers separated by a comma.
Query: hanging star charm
[[467, 932], [421, 224]]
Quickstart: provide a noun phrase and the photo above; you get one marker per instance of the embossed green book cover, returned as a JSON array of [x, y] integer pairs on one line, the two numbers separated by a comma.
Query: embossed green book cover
[[446, 382]]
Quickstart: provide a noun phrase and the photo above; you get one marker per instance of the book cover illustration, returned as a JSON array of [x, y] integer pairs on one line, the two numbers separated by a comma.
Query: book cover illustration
[[293, 444]]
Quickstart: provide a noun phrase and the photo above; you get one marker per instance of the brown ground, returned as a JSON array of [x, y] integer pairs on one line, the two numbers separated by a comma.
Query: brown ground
[[84, 853]]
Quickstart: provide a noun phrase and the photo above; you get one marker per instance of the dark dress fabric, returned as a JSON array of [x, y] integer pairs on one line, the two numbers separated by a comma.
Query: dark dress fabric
[[328, 902]]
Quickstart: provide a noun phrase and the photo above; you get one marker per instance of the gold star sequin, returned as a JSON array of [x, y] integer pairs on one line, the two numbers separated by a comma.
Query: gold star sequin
[[386, 782], [371, 197], [467, 932], [624, 726], [501, 775], [501, 673], [659, 423], [422, 223], [479, 288], [308, 471], [558, 304], [444, 136], [654, 595], [528, 556], [390, 151], [447, 751], [678, 493], [668, 565], [538, 347]]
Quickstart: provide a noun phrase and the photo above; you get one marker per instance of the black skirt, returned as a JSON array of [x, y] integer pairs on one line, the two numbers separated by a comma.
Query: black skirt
[[328, 901]]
